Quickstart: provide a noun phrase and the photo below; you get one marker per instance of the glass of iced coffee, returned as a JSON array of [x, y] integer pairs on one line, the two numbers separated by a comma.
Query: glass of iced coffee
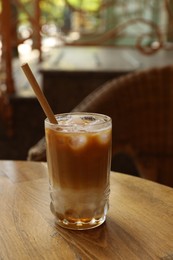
[[79, 158]]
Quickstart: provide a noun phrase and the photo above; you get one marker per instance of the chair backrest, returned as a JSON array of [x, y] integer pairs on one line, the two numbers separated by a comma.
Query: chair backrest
[[141, 107]]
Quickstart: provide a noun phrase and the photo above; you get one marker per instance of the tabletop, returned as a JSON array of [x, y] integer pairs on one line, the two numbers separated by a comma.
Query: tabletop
[[103, 59], [139, 224], [71, 73], [89, 59]]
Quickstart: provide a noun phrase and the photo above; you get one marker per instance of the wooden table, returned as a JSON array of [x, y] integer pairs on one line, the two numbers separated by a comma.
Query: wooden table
[[71, 73], [139, 223]]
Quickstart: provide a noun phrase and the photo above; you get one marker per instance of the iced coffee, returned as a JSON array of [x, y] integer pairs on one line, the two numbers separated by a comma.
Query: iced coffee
[[79, 157]]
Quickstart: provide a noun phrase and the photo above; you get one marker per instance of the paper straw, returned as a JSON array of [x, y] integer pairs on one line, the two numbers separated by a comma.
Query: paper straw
[[39, 94]]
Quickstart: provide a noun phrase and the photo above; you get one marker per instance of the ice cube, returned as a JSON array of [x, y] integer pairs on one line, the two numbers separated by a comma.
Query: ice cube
[[77, 141], [104, 137], [75, 121]]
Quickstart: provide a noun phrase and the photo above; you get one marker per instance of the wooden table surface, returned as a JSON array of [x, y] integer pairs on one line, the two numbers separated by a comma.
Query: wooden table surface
[[101, 59], [71, 73], [139, 224], [89, 58]]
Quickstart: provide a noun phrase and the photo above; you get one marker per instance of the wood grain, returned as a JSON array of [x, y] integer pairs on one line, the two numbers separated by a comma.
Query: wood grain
[[139, 223]]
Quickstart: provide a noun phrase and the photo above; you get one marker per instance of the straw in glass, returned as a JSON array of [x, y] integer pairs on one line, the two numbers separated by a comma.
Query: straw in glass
[[39, 94]]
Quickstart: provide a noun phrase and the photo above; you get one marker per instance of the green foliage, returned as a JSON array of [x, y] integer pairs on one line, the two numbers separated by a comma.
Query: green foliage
[[53, 10], [87, 5]]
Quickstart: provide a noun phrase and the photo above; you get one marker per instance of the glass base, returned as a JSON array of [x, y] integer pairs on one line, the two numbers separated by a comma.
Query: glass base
[[79, 225]]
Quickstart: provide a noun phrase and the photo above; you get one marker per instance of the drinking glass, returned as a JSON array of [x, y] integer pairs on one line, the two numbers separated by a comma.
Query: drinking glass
[[79, 159]]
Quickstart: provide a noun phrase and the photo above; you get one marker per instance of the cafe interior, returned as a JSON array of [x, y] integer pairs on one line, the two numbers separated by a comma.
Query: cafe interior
[[111, 57]]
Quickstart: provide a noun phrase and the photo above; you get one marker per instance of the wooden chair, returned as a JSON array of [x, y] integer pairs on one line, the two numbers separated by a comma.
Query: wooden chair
[[141, 107]]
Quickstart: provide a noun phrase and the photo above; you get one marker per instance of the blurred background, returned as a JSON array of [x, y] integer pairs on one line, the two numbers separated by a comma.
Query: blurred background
[[44, 33]]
